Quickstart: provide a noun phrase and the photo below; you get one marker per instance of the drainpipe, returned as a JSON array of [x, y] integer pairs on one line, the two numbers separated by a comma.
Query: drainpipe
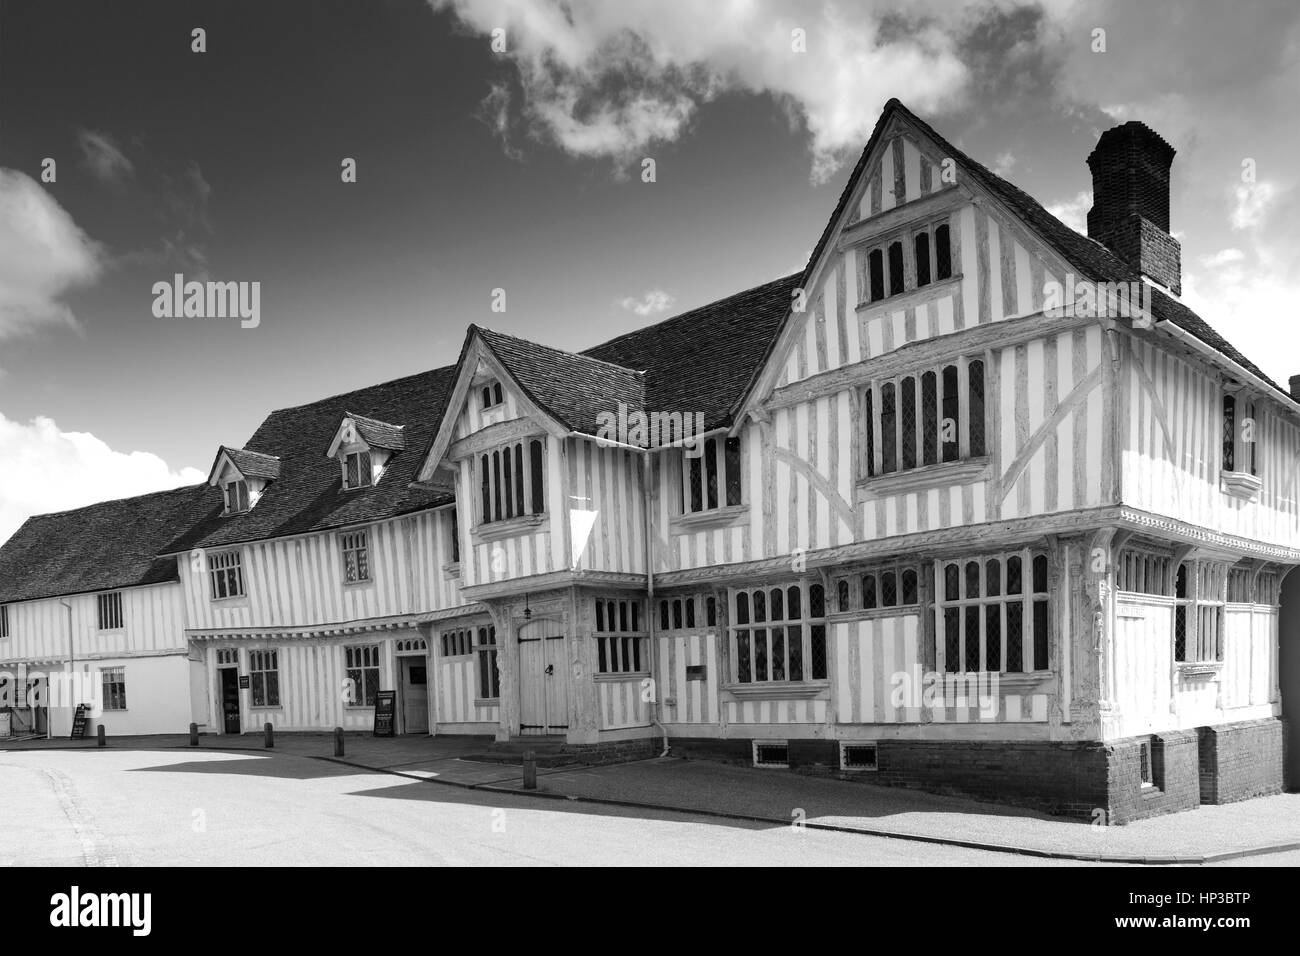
[[651, 617]]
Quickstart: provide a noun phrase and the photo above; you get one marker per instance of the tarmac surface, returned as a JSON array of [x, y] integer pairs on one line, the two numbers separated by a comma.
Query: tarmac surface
[[90, 804]]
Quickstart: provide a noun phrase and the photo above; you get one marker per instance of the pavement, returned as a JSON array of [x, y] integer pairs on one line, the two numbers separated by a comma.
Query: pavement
[[1251, 830]]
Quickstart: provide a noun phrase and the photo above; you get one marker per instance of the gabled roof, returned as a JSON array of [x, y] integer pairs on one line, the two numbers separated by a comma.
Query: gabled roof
[[698, 362], [572, 389], [703, 360], [112, 544], [379, 434], [374, 433], [250, 464], [1094, 260], [309, 495]]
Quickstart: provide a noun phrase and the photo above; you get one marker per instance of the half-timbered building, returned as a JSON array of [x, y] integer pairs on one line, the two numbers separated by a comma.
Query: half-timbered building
[[974, 502], [91, 614]]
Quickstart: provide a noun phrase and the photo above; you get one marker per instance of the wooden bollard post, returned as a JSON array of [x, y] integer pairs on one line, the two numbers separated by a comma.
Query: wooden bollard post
[[269, 735], [530, 770], [194, 735], [338, 741], [102, 741]]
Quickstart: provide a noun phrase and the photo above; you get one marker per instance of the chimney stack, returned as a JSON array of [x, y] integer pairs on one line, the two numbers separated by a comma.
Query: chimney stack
[[1130, 201], [1294, 387]]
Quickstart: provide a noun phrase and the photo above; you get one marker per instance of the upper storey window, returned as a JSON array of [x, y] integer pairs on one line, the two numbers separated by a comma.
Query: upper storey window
[[909, 262], [512, 481], [924, 418], [711, 475], [363, 447], [358, 470], [491, 395], [243, 476], [1239, 445], [1241, 464], [236, 495]]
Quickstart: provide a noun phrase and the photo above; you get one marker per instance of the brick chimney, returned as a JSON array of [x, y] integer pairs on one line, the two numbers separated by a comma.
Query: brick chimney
[[1294, 387], [1130, 201]]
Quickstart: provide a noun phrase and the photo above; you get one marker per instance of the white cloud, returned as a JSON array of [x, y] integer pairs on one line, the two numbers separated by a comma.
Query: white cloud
[[43, 254], [1073, 212], [613, 80], [652, 303], [1252, 203], [103, 157], [1222, 258], [1004, 163], [49, 470]]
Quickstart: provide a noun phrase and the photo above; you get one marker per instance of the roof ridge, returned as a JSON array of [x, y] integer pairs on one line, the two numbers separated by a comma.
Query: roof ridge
[[246, 451], [355, 391], [681, 315], [552, 348], [114, 501], [378, 421]]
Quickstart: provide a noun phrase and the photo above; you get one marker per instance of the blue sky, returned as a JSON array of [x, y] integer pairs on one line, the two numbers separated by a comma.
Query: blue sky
[[520, 169]]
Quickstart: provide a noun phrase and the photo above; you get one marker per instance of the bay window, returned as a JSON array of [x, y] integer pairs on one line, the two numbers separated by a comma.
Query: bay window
[[512, 481], [1200, 590], [622, 637], [778, 634], [925, 418], [991, 614]]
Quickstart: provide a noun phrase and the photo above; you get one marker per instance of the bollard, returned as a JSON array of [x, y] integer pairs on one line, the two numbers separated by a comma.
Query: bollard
[[269, 735], [194, 735], [338, 741], [530, 770], [102, 741]]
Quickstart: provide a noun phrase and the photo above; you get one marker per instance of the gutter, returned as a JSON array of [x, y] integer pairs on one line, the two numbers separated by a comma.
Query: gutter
[[611, 443]]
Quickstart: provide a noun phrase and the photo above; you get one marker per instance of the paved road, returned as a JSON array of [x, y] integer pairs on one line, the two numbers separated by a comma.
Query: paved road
[[170, 807], [199, 808]]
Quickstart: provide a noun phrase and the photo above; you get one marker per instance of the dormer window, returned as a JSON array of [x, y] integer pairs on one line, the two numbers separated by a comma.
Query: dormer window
[[243, 477], [492, 395], [357, 470], [363, 447], [236, 493]]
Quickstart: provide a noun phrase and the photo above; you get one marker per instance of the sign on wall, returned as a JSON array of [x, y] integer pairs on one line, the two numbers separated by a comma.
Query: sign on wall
[[243, 682], [385, 708]]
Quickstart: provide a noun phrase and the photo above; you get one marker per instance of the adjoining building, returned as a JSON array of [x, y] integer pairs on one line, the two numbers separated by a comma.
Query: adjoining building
[[972, 503], [91, 614]]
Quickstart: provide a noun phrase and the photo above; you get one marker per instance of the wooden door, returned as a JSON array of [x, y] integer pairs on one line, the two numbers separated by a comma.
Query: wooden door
[[543, 679], [230, 699], [415, 695]]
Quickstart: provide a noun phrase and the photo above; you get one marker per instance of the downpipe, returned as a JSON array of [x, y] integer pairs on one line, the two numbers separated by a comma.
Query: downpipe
[[650, 594]]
